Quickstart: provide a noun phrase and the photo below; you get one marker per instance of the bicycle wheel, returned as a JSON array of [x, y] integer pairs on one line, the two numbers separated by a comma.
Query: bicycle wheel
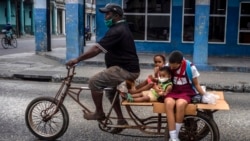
[[199, 127], [4, 42], [46, 129], [14, 42]]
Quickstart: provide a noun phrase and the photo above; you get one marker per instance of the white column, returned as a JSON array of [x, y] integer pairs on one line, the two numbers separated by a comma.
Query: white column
[[63, 22]]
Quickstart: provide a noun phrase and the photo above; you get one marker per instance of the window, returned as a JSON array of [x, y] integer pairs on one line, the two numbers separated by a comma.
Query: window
[[188, 20], [148, 19], [217, 21], [244, 25]]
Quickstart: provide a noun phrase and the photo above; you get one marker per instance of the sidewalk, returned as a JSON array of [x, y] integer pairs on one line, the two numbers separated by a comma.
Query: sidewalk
[[227, 73]]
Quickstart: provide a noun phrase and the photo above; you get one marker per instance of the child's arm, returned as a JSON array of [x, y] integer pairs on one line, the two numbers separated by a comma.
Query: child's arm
[[156, 70], [152, 79], [197, 86], [147, 84], [157, 88], [142, 88], [167, 90]]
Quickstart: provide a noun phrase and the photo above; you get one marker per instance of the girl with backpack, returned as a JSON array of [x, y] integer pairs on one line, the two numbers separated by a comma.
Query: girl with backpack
[[184, 88]]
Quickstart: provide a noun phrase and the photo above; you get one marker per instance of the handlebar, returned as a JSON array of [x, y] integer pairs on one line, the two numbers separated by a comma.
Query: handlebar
[[71, 67], [71, 70]]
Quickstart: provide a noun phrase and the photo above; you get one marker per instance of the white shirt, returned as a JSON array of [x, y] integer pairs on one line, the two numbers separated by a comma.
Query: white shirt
[[183, 80]]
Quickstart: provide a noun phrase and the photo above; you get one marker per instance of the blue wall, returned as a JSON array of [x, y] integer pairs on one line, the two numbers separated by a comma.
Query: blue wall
[[3, 18], [229, 48], [41, 30], [74, 29]]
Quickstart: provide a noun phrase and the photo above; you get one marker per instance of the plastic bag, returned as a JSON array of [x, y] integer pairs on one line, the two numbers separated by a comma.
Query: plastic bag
[[209, 98]]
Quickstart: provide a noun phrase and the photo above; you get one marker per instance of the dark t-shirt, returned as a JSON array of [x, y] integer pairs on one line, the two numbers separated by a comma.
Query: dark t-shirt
[[8, 27], [119, 48]]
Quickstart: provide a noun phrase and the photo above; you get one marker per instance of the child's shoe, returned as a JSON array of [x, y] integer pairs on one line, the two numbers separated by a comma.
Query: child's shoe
[[174, 139], [129, 98]]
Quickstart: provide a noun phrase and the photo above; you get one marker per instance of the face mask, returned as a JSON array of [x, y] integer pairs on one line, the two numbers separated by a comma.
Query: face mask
[[108, 23], [163, 79]]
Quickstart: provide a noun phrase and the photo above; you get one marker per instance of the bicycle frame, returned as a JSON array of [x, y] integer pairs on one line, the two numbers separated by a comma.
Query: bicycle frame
[[141, 124], [8, 40], [196, 126]]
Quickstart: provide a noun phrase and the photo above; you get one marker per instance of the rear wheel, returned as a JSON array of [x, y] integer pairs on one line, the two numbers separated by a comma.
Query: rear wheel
[[42, 127], [13, 42], [199, 127]]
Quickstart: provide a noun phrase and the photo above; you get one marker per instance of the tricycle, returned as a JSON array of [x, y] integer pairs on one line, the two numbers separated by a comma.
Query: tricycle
[[47, 117]]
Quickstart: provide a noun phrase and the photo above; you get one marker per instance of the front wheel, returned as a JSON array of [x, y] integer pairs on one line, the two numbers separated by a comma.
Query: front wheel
[[37, 122], [4, 42]]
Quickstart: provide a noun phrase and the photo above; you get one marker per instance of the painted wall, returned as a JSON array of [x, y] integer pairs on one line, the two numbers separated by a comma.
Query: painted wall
[[27, 19], [230, 48], [74, 29], [3, 18], [2, 13]]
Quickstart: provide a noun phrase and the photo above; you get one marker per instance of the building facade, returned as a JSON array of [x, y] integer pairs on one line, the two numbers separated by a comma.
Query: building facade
[[20, 14], [17, 13], [219, 27], [160, 26]]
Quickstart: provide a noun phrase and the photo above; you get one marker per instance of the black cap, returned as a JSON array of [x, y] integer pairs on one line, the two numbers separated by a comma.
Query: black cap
[[112, 7]]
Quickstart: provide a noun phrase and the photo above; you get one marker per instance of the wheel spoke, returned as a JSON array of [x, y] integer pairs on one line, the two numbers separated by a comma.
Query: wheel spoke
[[4, 42], [40, 121], [199, 127]]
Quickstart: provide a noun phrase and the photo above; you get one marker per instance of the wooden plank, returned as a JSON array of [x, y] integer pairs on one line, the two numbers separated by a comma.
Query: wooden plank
[[125, 102], [219, 93], [158, 107], [220, 105]]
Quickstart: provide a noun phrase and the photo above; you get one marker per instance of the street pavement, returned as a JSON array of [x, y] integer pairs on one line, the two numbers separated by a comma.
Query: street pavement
[[221, 73]]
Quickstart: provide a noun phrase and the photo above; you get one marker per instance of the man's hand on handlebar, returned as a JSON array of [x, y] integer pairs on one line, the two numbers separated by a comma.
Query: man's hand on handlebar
[[72, 62]]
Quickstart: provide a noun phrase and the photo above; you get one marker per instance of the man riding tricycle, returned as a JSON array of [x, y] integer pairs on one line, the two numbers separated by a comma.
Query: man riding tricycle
[[47, 117]]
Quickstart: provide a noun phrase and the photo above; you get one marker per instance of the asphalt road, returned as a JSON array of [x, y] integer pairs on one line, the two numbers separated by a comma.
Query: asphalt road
[[16, 95], [28, 45]]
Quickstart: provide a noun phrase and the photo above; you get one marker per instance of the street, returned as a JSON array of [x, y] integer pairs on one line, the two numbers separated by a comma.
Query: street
[[28, 45], [15, 95]]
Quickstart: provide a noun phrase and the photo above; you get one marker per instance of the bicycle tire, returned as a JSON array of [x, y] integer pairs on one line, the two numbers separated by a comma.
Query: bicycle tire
[[52, 128], [3, 42], [199, 127], [14, 42]]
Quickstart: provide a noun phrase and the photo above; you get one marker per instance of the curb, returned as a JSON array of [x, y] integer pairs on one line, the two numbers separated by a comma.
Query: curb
[[57, 78], [150, 65], [221, 82]]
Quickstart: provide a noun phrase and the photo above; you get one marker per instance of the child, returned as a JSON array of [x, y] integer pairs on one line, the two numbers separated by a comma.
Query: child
[[159, 61], [161, 88], [181, 94]]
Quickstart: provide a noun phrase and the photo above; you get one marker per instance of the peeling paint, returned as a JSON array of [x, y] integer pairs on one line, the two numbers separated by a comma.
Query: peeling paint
[[40, 30], [74, 30], [200, 55]]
